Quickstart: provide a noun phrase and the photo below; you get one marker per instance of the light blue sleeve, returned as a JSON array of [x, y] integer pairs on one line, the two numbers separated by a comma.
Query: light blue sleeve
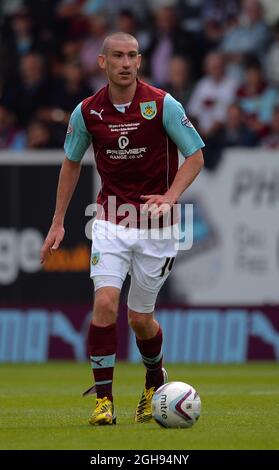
[[179, 128], [77, 138]]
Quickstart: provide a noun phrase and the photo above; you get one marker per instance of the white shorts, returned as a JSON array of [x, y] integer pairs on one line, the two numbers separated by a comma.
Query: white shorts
[[144, 254]]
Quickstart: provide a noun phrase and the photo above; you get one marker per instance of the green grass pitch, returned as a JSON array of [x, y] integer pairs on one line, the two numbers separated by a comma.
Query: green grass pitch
[[42, 408]]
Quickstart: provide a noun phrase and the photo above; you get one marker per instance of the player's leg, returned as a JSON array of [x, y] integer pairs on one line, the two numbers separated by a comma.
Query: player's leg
[[102, 338], [149, 339], [110, 264], [151, 266], [102, 344]]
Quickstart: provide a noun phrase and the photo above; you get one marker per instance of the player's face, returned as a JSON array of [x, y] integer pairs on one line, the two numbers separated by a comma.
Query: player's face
[[121, 62]]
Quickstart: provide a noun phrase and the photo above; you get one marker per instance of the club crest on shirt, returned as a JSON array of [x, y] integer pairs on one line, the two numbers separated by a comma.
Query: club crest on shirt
[[95, 257], [148, 109]]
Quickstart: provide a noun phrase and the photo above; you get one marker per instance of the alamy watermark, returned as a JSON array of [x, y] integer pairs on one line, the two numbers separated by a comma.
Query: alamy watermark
[[172, 222]]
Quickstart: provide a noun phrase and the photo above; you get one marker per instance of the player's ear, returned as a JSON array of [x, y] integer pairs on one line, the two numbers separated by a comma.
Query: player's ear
[[139, 61], [102, 61]]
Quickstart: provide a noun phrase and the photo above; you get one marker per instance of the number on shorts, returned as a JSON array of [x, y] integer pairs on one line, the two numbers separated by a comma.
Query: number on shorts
[[168, 265]]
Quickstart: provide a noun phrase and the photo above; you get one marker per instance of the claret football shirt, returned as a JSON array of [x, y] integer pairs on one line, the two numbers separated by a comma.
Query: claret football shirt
[[135, 145]]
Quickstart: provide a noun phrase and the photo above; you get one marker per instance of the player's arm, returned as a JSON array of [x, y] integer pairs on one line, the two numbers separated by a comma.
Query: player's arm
[[68, 178], [187, 139], [76, 143], [185, 175]]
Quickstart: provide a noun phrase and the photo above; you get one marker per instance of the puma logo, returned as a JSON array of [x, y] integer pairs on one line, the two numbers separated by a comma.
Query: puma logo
[[92, 111], [98, 362]]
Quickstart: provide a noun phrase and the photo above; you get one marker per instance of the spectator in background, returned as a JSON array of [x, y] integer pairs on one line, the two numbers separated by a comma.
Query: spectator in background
[[248, 33], [22, 37], [31, 93], [180, 85], [270, 10], [271, 140], [215, 16], [208, 40], [232, 133], [9, 7], [39, 136], [127, 23], [220, 10], [73, 15], [90, 50], [212, 95], [47, 27], [272, 62], [155, 4], [70, 90], [11, 137], [234, 48], [18, 40], [162, 47], [254, 27], [140, 8], [66, 93], [257, 98], [72, 8], [70, 49], [189, 12], [235, 132], [168, 39]]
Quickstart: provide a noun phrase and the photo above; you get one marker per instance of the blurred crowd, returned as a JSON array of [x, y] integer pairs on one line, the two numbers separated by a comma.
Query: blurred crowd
[[220, 59]]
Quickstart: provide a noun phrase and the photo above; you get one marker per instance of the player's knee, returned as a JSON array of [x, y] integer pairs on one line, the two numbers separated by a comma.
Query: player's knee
[[105, 308], [140, 322]]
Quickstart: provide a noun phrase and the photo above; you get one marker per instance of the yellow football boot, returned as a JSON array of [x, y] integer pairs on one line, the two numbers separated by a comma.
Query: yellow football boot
[[143, 412], [103, 413]]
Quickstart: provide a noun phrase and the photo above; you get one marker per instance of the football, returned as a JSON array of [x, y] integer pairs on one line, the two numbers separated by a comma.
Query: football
[[176, 405]]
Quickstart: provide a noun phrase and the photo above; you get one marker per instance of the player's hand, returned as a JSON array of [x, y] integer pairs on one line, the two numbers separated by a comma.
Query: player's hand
[[156, 204], [54, 238]]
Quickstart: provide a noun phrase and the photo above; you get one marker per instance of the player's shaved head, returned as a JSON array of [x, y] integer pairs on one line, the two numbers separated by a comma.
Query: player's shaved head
[[120, 59], [123, 37]]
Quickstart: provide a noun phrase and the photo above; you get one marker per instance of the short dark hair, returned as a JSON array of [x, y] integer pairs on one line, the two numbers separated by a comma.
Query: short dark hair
[[118, 35]]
